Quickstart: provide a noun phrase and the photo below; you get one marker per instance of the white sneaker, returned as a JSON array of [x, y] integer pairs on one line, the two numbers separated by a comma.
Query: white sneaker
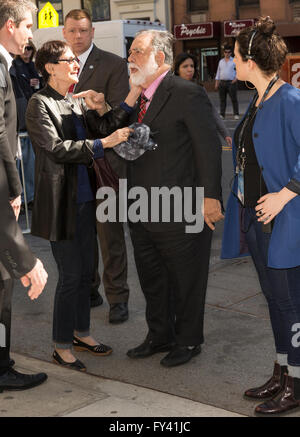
[[222, 116], [236, 117]]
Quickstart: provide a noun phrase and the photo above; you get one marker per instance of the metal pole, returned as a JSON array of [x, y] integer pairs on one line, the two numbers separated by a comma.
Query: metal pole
[[27, 230]]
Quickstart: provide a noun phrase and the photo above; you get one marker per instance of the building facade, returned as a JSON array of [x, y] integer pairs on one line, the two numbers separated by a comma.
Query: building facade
[[202, 27], [102, 10]]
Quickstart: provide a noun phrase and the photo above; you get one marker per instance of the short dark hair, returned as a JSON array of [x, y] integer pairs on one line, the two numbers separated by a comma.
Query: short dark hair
[[268, 49], [227, 47], [50, 51], [78, 14], [180, 58], [15, 10]]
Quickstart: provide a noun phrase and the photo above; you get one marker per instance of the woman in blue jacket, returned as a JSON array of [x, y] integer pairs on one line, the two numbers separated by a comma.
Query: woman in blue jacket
[[263, 211]]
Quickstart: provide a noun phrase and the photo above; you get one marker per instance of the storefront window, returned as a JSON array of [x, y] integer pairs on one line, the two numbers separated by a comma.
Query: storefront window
[[197, 5], [209, 63], [57, 4], [98, 9]]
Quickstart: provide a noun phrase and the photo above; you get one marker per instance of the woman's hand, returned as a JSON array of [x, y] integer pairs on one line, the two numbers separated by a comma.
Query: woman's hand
[[93, 100], [269, 205], [116, 137], [133, 95]]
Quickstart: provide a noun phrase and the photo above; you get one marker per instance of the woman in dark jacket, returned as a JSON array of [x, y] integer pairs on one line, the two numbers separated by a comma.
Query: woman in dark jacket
[[66, 137]]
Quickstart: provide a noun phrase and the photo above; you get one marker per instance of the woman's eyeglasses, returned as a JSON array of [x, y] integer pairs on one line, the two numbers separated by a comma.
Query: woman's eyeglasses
[[29, 48], [69, 61]]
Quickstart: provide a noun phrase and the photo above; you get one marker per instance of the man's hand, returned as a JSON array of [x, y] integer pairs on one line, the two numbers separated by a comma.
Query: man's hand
[[93, 100], [36, 279], [212, 212], [16, 206]]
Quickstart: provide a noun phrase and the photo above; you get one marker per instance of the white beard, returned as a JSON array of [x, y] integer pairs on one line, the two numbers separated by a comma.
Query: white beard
[[144, 72]]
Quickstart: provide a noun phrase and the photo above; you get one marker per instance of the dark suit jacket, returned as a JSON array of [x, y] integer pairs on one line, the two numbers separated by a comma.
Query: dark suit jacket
[[107, 73], [16, 259], [8, 130], [188, 153]]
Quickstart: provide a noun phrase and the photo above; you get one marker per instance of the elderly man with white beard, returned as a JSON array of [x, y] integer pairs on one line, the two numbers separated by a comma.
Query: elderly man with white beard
[[172, 264]]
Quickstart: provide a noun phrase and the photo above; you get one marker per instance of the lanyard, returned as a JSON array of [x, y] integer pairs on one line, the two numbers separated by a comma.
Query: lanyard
[[241, 155]]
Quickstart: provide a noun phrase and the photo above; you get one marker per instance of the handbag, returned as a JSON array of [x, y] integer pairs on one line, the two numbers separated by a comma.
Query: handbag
[[105, 176]]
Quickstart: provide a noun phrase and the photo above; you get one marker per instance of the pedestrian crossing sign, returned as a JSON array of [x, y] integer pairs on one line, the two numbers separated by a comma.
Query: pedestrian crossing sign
[[48, 17]]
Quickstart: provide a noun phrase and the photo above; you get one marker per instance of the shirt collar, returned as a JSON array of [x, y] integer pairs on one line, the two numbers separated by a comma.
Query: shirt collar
[[6, 55], [149, 92], [83, 57]]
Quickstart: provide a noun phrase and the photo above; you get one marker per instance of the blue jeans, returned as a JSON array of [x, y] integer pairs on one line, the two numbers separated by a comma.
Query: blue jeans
[[281, 288], [28, 162], [75, 262]]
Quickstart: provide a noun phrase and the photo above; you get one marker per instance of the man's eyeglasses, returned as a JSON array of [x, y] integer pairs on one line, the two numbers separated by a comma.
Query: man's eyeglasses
[[227, 51], [69, 61]]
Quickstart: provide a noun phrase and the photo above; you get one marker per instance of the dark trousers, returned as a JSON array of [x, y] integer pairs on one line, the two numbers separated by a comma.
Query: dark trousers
[[6, 288], [114, 256], [173, 271], [75, 262], [226, 87], [281, 288]]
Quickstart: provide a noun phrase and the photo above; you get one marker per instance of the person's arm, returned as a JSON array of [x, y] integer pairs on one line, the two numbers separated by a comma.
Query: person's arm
[[15, 254], [44, 135], [207, 152], [6, 153], [222, 129], [217, 78], [114, 119]]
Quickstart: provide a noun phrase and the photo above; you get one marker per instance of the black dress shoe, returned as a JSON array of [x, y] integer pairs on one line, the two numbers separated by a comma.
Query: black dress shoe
[[118, 312], [96, 299], [180, 355], [147, 349], [13, 380], [76, 365]]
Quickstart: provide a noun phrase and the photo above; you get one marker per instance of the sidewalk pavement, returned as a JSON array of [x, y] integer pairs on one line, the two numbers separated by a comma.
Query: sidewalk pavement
[[69, 393]]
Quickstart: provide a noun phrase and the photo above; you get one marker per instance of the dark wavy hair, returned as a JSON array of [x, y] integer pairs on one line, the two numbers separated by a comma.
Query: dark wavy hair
[[268, 49], [183, 57], [50, 51]]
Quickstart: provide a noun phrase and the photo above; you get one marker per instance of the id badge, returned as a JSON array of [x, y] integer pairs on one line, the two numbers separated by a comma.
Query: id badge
[[241, 192]]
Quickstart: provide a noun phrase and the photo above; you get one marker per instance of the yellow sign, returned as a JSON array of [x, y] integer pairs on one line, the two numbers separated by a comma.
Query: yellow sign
[[48, 17]]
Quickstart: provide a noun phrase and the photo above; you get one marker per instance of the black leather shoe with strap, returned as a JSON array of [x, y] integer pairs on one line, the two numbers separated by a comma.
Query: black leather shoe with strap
[[99, 350]]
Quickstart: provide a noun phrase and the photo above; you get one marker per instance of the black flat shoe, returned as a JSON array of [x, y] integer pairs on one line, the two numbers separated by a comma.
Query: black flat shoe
[[180, 355], [147, 348], [118, 312], [100, 349], [76, 365], [13, 380]]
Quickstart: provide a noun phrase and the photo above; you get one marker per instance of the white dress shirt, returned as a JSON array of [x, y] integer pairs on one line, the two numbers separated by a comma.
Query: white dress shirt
[[226, 70]]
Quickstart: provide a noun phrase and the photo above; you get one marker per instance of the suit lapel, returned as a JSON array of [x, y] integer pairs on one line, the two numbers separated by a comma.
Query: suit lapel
[[159, 99], [88, 69]]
